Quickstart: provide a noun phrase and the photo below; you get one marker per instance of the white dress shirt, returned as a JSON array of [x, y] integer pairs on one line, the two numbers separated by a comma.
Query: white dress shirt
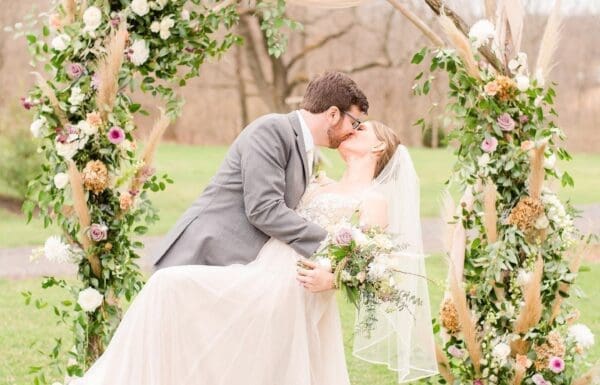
[[309, 143]]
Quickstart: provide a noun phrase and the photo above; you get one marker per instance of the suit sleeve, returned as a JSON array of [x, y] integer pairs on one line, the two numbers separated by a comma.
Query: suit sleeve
[[263, 162]]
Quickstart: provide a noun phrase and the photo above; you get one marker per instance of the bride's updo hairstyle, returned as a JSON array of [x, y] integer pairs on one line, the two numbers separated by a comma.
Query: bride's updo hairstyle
[[391, 141]]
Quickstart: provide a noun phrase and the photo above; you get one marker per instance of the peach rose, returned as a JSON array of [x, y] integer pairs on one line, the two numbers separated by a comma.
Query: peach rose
[[94, 119], [527, 145], [523, 361], [492, 88]]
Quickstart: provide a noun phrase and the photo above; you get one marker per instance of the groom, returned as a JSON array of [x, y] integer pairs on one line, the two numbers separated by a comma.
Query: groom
[[265, 173]]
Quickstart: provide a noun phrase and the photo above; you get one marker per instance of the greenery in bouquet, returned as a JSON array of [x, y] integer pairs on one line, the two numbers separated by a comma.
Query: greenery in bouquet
[[506, 318], [366, 268]]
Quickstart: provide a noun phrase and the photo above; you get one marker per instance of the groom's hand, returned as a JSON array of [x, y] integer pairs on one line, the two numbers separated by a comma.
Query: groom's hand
[[315, 278]]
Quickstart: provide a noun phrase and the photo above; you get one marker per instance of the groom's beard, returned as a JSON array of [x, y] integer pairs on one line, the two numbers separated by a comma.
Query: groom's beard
[[335, 138]]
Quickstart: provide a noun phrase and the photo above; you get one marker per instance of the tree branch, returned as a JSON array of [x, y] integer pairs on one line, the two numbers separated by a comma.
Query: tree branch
[[318, 44], [438, 7]]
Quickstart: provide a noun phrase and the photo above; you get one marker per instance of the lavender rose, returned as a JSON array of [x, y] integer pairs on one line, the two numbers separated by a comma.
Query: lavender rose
[[75, 70], [343, 237], [98, 232], [489, 144], [505, 122]]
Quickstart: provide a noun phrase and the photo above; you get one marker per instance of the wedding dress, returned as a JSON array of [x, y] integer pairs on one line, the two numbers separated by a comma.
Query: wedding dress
[[240, 324]]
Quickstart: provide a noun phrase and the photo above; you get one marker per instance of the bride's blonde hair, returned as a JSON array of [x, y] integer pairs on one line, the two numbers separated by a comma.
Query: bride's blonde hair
[[391, 141]]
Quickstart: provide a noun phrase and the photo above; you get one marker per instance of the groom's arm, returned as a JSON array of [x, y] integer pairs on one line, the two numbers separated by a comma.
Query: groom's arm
[[264, 159]]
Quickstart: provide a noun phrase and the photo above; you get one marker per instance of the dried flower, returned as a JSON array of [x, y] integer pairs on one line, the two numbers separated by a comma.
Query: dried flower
[[95, 176], [449, 317]]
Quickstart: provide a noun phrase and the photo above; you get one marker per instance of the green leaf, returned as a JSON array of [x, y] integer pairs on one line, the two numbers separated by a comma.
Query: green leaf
[[419, 56], [567, 180]]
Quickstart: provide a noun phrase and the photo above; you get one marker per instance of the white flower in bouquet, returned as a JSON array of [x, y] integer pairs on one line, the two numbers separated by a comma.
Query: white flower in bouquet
[[55, 250], [481, 32], [61, 42], [383, 241], [582, 335], [501, 352], [323, 262], [140, 52], [542, 222], [376, 271], [519, 63], [140, 7], [345, 276], [185, 15], [89, 299], [67, 150], [359, 237], [36, 127], [523, 277], [61, 180], [87, 128], [155, 27], [522, 82], [92, 18], [159, 4], [77, 97], [538, 101], [165, 27], [483, 160]]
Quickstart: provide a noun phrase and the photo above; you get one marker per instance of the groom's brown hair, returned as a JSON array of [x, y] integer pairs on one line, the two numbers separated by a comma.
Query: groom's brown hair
[[333, 89]]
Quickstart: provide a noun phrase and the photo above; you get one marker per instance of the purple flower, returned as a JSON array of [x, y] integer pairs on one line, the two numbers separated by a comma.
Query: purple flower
[[75, 70], [538, 379], [506, 122], [477, 382], [343, 237], [556, 364], [98, 232], [523, 119], [489, 144], [455, 351], [116, 135], [27, 103]]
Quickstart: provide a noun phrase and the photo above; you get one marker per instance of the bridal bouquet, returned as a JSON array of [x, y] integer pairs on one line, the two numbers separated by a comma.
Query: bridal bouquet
[[362, 259]]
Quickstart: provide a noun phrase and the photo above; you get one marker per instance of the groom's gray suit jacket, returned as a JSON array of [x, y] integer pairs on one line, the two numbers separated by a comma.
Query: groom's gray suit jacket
[[250, 199]]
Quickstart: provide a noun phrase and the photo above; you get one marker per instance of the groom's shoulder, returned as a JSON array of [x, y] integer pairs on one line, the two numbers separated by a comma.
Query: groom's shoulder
[[271, 124]]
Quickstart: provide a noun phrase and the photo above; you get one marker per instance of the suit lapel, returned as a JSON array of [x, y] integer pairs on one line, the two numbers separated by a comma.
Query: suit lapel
[[295, 122]]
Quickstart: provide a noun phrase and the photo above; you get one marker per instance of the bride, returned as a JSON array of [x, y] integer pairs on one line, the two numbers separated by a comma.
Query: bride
[[272, 322]]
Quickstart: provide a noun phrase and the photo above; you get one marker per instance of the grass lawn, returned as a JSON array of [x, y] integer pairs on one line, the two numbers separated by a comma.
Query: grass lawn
[[23, 329], [192, 166]]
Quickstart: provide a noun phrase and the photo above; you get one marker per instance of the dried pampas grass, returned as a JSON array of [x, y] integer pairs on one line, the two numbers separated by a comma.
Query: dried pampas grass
[[549, 44], [108, 70], [83, 214], [531, 311], [70, 9], [537, 172], [576, 256], [48, 92], [462, 45], [443, 365], [490, 215]]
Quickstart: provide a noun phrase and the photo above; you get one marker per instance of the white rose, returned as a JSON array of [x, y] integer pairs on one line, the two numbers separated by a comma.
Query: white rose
[[483, 160], [550, 161], [542, 222], [522, 82], [77, 97], [140, 52], [89, 299], [92, 18], [523, 278], [61, 180], [582, 335], [55, 250], [513, 65], [185, 15], [501, 351], [61, 42], [67, 150], [165, 25], [155, 27], [359, 237], [376, 271], [87, 128], [481, 32], [36, 127], [140, 7]]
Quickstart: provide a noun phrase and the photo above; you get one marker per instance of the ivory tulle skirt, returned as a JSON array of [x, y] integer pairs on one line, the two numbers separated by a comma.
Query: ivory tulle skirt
[[234, 325]]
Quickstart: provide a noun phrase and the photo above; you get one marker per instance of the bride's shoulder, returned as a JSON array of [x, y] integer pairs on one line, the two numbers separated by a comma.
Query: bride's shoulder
[[374, 209]]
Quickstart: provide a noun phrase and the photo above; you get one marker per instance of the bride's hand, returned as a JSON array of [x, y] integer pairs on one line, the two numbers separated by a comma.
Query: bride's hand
[[315, 278]]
